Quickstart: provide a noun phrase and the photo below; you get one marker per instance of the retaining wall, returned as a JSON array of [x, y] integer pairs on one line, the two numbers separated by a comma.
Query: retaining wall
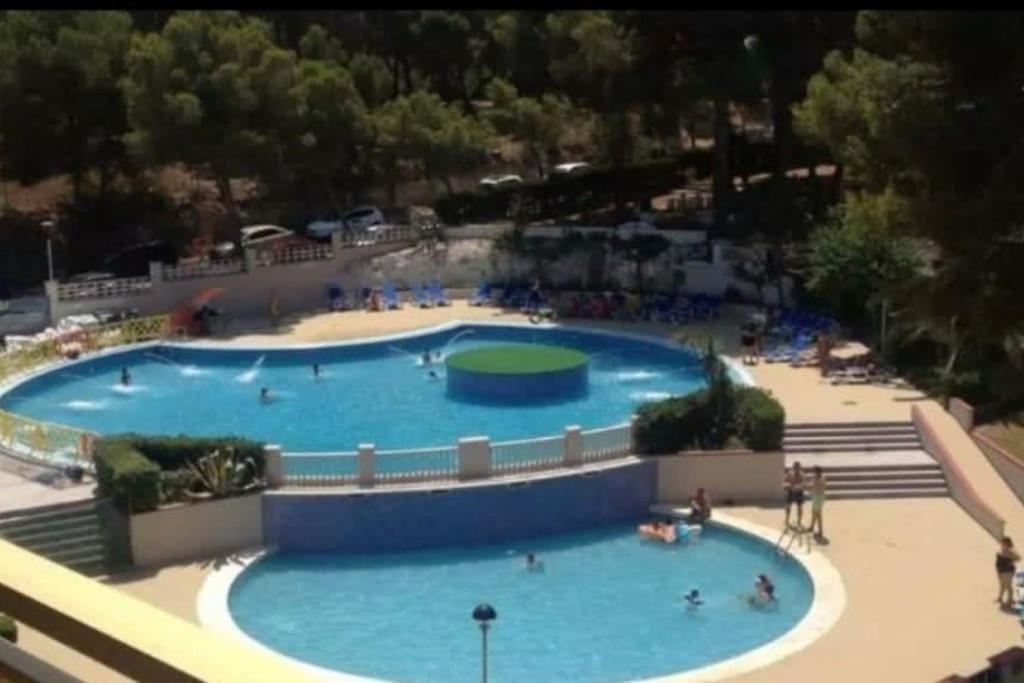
[[739, 476]]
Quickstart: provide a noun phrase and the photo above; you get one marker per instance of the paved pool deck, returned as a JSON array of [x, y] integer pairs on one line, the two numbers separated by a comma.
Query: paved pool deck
[[918, 573]]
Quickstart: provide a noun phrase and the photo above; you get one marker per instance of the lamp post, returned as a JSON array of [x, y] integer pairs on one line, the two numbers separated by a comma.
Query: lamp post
[[483, 614], [48, 227]]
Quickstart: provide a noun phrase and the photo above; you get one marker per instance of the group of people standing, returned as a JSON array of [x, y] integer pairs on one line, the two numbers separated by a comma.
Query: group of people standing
[[796, 485]]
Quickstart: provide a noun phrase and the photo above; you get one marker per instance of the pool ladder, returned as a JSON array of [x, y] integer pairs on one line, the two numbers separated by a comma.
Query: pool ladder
[[791, 534]]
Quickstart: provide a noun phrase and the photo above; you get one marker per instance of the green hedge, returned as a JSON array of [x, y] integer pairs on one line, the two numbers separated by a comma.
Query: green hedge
[[760, 420], [127, 476], [744, 414], [8, 628], [130, 467]]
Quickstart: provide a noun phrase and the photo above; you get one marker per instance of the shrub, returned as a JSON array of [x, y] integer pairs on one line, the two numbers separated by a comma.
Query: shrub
[[759, 419], [223, 473], [672, 425], [173, 452], [8, 628], [174, 485], [127, 476]]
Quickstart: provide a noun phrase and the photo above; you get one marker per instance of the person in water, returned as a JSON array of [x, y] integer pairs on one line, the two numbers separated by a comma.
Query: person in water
[[433, 375], [265, 396], [764, 592], [1006, 565], [533, 564], [316, 371], [693, 599], [700, 507], [427, 358], [126, 377]]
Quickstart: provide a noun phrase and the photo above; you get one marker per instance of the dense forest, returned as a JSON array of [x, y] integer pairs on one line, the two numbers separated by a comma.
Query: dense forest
[[919, 113]]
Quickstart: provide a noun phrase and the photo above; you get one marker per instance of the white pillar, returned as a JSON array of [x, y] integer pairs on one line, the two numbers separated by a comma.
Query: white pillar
[[474, 457], [274, 465], [573, 453], [156, 272], [250, 260], [632, 434], [336, 243], [367, 464], [52, 300]]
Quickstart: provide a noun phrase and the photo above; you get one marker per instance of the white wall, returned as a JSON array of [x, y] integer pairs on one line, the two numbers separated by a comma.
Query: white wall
[[199, 530], [740, 476]]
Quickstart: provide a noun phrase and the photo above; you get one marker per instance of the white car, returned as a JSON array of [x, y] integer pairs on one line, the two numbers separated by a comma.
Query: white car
[[572, 168], [322, 230], [499, 182], [255, 235], [363, 218]]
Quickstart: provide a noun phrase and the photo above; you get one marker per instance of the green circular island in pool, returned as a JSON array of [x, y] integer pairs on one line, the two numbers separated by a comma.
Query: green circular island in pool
[[517, 373]]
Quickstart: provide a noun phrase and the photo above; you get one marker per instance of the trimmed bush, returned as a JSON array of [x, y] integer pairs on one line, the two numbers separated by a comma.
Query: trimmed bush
[[172, 452], [672, 425], [760, 420], [127, 476], [8, 628]]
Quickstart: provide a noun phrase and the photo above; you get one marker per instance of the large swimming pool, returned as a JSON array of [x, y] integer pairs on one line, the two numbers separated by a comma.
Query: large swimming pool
[[607, 607], [371, 392]]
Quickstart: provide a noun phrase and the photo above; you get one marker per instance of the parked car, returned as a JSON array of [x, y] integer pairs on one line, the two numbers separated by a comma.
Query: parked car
[[258, 235], [500, 182], [322, 229], [572, 168], [363, 217], [134, 260]]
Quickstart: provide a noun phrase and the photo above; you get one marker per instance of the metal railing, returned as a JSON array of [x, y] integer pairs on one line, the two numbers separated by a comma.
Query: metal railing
[[55, 444]]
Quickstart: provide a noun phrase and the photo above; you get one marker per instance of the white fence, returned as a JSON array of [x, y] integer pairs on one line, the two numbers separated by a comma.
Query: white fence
[[188, 271], [104, 289], [471, 458]]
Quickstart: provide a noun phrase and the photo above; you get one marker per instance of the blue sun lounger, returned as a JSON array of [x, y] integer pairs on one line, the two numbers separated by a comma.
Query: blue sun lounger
[[437, 295], [482, 295], [390, 295], [419, 295]]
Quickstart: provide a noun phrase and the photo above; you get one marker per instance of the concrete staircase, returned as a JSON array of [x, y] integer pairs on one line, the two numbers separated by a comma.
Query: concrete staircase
[[71, 534], [866, 459]]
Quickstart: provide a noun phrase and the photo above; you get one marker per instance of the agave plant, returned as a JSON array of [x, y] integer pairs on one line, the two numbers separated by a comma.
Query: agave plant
[[222, 473]]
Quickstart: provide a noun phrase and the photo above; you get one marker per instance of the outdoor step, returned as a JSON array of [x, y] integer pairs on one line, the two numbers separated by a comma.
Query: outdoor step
[[848, 447], [879, 484], [94, 542], [32, 525], [849, 433], [889, 493], [803, 426], [853, 475], [867, 438], [35, 534], [50, 512], [71, 556]]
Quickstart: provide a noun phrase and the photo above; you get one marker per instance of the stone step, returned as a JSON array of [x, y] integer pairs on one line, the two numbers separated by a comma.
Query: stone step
[[803, 426], [41, 533], [885, 484], [850, 433], [74, 556], [847, 447], [32, 525], [50, 547], [47, 513], [889, 493], [893, 473], [910, 439]]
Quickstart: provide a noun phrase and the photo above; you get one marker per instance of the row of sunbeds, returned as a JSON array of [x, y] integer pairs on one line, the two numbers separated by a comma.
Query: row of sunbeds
[[420, 295]]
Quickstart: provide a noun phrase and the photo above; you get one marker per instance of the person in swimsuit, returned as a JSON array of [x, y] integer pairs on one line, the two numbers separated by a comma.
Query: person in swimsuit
[[427, 359], [265, 397], [693, 599], [700, 508], [316, 371], [794, 487], [765, 592], [533, 564], [817, 503], [1006, 566], [126, 377]]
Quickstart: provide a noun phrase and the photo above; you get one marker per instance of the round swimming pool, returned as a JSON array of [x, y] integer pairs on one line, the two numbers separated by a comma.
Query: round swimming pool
[[369, 392], [607, 607]]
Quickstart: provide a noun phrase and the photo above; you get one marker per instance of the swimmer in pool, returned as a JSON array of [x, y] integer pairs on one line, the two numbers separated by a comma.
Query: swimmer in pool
[[693, 599], [126, 377], [316, 371], [533, 564], [765, 594], [265, 397], [433, 375], [427, 359]]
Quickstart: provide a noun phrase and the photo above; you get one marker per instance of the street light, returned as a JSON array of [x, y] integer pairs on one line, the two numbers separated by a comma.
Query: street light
[[48, 227], [483, 614]]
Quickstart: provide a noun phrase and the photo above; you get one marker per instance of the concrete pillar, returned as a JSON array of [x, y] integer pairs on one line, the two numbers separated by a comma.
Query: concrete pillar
[[367, 464], [474, 457], [156, 272], [632, 434], [274, 465], [250, 260], [573, 453], [718, 251]]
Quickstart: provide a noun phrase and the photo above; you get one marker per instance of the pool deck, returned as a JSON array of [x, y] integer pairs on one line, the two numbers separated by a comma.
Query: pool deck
[[917, 572]]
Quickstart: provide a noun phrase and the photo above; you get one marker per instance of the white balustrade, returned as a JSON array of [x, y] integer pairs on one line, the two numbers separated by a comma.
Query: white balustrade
[[103, 289], [188, 271], [607, 443], [532, 455]]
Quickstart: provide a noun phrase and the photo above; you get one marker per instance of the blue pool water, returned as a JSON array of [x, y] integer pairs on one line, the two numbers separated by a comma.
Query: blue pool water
[[607, 607], [371, 393]]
